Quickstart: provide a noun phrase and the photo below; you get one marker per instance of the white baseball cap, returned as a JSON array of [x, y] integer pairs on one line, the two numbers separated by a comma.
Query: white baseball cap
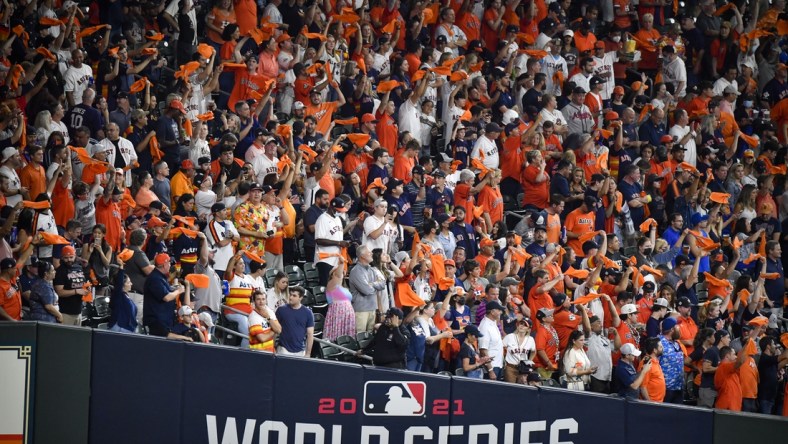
[[629, 349], [629, 309], [185, 310]]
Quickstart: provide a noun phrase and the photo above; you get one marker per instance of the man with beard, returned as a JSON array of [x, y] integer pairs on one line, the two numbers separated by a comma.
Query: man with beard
[[653, 387], [68, 284], [672, 361], [227, 163], [310, 219], [599, 347], [538, 246]]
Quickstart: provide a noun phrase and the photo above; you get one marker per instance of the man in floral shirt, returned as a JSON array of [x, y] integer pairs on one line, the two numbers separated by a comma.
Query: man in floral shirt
[[250, 220]]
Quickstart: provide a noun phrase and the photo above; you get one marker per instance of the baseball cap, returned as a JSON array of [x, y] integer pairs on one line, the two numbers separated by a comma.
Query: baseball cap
[[719, 334], [667, 138], [68, 250], [559, 299], [418, 169], [299, 105], [599, 45], [578, 90], [629, 309], [661, 302], [161, 259], [684, 302], [205, 318], [438, 174], [256, 187], [618, 90], [367, 118], [596, 81], [185, 310], [131, 219], [215, 208], [9, 152], [449, 263], [730, 90], [338, 204], [494, 305], [749, 153], [492, 127], [394, 311], [512, 28], [668, 323], [508, 281], [569, 33], [473, 330], [698, 218], [441, 39], [649, 287], [611, 115], [441, 218], [629, 349], [486, 242], [393, 183], [187, 164], [267, 188], [544, 313], [7, 264], [154, 222]]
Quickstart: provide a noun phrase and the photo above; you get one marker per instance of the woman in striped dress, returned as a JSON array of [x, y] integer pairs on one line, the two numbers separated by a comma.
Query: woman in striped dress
[[340, 319]]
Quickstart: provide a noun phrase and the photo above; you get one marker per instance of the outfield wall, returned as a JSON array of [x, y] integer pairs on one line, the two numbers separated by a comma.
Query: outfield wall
[[65, 384]]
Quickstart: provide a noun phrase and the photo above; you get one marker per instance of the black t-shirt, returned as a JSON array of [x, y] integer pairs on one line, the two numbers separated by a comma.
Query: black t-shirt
[[70, 278], [712, 355], [767, 371], [466, 351]]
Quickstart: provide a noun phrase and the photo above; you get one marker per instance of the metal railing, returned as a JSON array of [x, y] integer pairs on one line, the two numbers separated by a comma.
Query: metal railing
[[318, 340]]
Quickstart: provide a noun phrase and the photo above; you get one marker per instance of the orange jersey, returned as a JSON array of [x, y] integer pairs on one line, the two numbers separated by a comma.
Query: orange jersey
[[654, 381], [244, 84], [463, 198], [537, 301], [322, 114], [565, 323], [546, 340], [492, 201], [748, 376], [553, 228], [388, 133], [579, 223], [403, 167]]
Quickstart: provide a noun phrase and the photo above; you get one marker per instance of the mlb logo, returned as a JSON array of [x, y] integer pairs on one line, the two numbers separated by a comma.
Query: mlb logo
[[394, 398]]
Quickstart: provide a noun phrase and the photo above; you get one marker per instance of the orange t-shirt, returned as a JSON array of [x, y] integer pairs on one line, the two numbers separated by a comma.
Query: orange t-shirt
[[728, 385], [512, 159], [482, 260], [62, 204], [221, 19], [622, 21], [688, 330], [537, 301], [244, 84], [463, 198], [748, 377], [490, 36], [649, 58], [728, 127], [180, 184], [545, 341], [470, 25], [354, 163], [388, 133], [109, 215], [779, 113], [579, 223], [34, 178], [588, 163], [654, 381], [553, 269], [535, 193], [565, 323], [246, 15], [492, 201], [403, 167], [322, 113], [553, 228], [585, 43], [301, 88], [11, 299]]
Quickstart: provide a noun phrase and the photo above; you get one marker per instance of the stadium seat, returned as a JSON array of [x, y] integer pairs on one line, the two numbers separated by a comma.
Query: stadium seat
[[459, 372], [309, 300], [445, 373], [312, 276], [295, 275], [331, 353], [320, 320], [103, 326], [270, 274], [321, 302], [364, 338], [348, 342]]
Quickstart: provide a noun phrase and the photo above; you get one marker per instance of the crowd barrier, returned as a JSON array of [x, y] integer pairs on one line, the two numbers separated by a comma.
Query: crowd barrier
[[63, 385]]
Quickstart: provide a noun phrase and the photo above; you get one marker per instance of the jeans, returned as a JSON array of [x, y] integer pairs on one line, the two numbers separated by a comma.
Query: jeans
[[119, 329], [766, 406], [674, 397], [413, 364], [243, 326], [749, 405]]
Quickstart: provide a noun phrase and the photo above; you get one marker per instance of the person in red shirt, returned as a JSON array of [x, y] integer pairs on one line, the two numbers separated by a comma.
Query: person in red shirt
[[536, 182], [726, 378]]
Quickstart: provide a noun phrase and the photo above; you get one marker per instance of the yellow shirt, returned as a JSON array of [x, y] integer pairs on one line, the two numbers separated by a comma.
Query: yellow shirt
[[180, 184]]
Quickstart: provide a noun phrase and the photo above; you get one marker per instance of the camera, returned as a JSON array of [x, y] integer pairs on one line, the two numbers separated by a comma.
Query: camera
[[270, 233]]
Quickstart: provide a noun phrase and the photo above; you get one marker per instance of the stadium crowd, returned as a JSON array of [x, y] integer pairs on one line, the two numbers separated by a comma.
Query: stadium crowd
[[591, 193]]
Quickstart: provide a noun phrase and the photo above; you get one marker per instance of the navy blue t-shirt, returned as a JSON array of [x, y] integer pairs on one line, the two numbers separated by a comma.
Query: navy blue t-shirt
[[626, 375], [294, 324], [632, 191]]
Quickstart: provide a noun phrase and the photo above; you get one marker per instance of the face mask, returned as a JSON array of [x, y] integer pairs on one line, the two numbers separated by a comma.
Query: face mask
[[460, 301], [748, 103], [648, 251], [616, 38]]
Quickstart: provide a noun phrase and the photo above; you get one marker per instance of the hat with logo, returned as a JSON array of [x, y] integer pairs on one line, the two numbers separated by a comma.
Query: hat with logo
[[544, 313], [299, 105], [339, 204], [629, 309], [217, 207], [187, 164], [661, 302], [684, 302], [7, 264], [177, 104]]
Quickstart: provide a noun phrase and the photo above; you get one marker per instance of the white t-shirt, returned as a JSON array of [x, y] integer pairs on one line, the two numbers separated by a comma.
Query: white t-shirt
[[410, 119], [580, 79], [485, 150], [204, 200], [491, 341], [46, 223], [675, 72], [328, 227], [517, 351], [691, 155], [372, 223], [263, 166], [77, 80], [216, 232], [605, 65], [14, 184], [382, 62], [550, 65]]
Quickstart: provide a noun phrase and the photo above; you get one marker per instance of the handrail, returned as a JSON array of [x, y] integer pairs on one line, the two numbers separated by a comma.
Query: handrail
[[344, 349], [321, 341]]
